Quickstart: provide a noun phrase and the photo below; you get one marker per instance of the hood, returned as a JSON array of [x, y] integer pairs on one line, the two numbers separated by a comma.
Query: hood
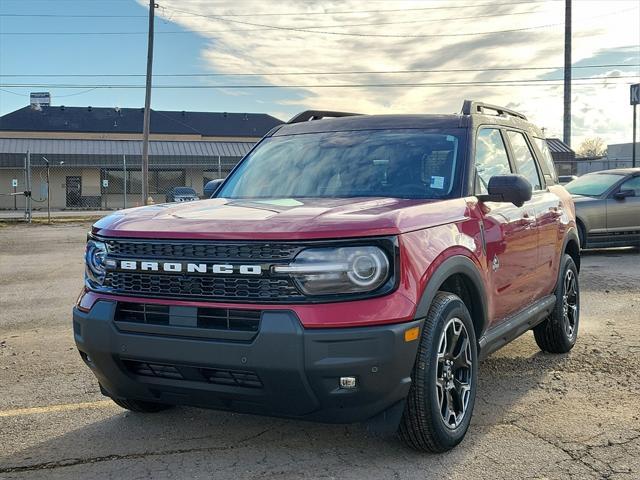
[[283, 219], [582, 198]]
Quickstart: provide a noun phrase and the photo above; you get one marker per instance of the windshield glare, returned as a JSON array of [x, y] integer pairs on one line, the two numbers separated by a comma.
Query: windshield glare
[[371, 163], [592, 185]]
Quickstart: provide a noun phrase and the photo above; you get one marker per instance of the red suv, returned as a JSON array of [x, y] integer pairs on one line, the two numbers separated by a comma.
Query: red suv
[[351, 268]]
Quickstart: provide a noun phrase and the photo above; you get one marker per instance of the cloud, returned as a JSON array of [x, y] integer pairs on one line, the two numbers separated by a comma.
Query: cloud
[[599, 26]]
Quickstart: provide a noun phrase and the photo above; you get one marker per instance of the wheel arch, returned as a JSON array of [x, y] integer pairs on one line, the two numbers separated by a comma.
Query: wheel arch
[[460, 275], [581, 226], [572, 245]]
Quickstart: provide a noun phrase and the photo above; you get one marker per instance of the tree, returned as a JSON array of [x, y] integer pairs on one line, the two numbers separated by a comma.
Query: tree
[[592, 147]]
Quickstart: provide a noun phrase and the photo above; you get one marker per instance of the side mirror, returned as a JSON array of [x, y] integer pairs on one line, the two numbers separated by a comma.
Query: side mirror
[[622, 194], [512, 188], [212, 187]]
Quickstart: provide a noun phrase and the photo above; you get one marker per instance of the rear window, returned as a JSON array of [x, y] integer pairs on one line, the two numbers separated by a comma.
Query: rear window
[[593, 185], [406, 163]]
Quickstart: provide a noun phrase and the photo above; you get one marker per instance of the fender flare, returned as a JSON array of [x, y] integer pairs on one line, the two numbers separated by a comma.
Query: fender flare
[[572, 234], [457, 264]]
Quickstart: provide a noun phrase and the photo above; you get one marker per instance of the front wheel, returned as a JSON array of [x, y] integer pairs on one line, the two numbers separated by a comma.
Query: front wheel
[[559, 332], [444, 378]]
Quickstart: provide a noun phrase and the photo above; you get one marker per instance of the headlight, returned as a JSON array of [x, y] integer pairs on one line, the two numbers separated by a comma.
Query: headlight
[[331, 271], [95, 261]]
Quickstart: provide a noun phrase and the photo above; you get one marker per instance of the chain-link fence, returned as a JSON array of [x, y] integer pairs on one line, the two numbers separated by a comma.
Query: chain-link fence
[[66, 181], [102, 182], [587, 165]]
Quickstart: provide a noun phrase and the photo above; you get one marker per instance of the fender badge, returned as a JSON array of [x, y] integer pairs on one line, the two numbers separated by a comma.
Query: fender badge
[[495, 264]]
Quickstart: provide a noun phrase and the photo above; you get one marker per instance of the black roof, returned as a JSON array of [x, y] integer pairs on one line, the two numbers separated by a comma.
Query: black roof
[[129, 120], [372, 122], [423, 121], [558, 146]]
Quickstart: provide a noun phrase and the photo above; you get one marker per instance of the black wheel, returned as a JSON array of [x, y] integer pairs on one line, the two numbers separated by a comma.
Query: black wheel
[[558, 333], [140, 406], [444, 379]]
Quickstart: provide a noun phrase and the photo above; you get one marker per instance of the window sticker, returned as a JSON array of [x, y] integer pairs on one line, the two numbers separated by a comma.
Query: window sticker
[[437, 182]]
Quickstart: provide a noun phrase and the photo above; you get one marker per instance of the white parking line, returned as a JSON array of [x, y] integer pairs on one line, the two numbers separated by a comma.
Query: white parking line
[[18, 412]]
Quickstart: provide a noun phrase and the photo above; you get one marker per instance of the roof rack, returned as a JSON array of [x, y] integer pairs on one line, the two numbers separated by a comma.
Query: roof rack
[[469, 107], [318, 114]]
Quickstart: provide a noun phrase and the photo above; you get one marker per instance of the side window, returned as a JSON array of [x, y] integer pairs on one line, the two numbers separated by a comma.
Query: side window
[[491, 158], [632, 184], [547, 160], [525, 163]]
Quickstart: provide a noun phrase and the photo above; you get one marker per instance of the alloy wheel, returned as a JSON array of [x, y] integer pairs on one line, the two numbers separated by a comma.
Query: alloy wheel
[[454, 373], [570, 303]]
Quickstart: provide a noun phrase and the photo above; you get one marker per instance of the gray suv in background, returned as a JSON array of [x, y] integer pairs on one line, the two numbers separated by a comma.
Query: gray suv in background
[[608, 207]]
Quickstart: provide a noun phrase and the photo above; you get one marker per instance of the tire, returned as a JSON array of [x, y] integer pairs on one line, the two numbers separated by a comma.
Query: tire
[[559, 332], [423, 425], [140, 406]]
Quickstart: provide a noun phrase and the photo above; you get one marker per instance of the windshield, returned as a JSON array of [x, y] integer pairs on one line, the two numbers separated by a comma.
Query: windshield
[[370, 163], [592, 185]]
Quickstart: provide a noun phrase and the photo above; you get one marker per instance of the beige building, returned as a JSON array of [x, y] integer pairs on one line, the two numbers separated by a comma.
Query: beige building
[[94, 154]]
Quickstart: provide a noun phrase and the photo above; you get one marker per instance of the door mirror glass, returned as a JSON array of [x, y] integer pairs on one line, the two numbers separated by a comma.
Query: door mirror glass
[[512, 188], [212, 187]]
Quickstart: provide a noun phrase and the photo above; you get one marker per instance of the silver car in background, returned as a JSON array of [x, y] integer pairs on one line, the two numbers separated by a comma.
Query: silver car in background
[[608, 207]]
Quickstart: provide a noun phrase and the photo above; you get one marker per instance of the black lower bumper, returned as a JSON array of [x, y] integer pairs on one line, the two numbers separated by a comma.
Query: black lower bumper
[[284, 370]]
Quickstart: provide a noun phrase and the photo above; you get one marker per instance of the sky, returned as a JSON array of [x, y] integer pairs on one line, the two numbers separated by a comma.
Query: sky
[[401, 57]]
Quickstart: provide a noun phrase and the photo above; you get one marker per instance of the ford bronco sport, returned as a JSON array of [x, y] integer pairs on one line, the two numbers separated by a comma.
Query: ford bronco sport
[[351, 268]]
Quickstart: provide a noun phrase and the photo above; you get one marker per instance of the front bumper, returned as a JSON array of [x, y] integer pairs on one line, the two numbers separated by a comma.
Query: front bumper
[[283, 370]]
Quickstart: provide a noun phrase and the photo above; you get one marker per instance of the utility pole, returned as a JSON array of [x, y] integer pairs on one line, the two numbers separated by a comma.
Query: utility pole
[[147, 108], [566, 133], [633, 148]]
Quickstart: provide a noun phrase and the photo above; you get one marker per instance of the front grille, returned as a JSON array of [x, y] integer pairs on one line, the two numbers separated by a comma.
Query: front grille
[[203, 287], [217, 376], [203, 317], [202, 250]]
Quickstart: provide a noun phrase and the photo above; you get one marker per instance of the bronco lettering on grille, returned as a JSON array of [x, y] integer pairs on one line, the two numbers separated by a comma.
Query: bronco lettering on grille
[[178, 267]]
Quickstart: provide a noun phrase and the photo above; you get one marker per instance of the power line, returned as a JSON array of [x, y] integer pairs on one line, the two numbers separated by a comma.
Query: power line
[[283, 14], [332, 73], [585, 80], [335, 25], [351, 34]]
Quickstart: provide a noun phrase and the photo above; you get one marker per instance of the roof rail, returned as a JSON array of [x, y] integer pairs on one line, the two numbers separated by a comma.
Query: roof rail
[[318, 114], [469, 107]]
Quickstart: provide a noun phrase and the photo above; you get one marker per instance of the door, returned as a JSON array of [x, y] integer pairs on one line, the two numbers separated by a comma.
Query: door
[[74, 191], [510, 231], [547, 209], [623, 214]]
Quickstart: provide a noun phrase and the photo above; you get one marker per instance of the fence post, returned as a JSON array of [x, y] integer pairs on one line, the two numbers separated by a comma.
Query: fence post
[[27, 204], [124, 168], [219, 167]]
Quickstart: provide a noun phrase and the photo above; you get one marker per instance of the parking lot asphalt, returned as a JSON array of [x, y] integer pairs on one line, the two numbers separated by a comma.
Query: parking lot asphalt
[[537, 415]]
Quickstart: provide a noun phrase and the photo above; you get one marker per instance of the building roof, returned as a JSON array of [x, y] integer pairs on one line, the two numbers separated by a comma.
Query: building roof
[[558, 146], [123, 147], [129, 120]]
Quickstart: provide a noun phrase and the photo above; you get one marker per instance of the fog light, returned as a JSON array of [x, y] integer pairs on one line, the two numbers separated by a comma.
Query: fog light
[[348, 382]]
